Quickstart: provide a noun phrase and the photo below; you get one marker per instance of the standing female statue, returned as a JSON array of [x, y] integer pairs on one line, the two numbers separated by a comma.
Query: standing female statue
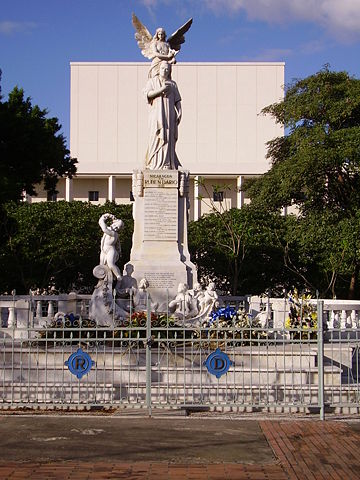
[[162, 94], [164, 116]]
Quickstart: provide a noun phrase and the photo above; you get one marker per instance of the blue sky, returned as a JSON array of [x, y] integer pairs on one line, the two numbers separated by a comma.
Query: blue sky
[[39, 38]]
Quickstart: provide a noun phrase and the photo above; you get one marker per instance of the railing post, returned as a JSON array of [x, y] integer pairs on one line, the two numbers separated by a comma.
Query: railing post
[[38, 309], [320, 342], [50, 312], [11, 318], [148, 354]]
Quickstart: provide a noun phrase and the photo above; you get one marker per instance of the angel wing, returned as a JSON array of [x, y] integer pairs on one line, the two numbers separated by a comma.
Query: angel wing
[[178, 38], [143, 37]]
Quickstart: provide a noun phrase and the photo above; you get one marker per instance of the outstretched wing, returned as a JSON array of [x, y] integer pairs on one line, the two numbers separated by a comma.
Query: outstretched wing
[[143, 37], [178, 38]]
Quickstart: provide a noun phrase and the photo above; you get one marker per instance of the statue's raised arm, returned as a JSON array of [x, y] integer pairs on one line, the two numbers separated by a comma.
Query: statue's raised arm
[[157, 48]]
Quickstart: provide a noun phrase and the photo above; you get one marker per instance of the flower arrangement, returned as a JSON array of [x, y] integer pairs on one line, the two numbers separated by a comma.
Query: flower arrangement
[[224, 326], [302, 319], [233, 327], [163, 326]]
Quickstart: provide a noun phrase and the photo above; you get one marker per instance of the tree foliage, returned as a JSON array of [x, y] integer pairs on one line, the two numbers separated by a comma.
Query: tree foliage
[[56, 243], [316, 164], [240, 248], [31, 148], [322, 251]]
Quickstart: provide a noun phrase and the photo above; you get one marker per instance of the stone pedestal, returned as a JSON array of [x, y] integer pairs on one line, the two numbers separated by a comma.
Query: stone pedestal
[[160, 248]]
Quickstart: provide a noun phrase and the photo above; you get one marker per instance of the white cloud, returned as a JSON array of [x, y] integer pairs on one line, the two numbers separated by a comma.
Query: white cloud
[[339, 17], [272, 55], [150, 3], [8, 27]]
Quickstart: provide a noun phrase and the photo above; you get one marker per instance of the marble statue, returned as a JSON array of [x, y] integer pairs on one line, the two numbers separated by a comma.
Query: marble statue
[[142, 297], [110, 243], [126, 288], [103, 308], [209, 300], [183, 302], [157, 47], [197, 293], [128, 284], [164, 116], [192, 307]]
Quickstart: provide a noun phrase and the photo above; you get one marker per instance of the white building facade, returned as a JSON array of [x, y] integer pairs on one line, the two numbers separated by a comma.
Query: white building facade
[[222, 135]]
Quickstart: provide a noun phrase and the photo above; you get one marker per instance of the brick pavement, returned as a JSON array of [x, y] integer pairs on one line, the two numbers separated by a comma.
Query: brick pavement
[[306, 450]]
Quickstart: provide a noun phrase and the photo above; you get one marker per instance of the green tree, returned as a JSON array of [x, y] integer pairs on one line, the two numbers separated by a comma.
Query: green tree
[[31, 148], [321, 250], [316, 164], [56, 243], [240, 248]]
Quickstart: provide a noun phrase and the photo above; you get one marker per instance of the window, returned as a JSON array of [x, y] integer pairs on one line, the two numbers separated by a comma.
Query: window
[[51, 197], [93, 196], [218, 196]]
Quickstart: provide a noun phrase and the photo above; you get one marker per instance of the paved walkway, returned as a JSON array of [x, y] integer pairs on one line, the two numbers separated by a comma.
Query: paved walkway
[[301, 450]]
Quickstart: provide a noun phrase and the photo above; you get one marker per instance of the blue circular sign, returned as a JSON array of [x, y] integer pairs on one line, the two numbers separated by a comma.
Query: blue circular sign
[[79, 363], [218, 363]]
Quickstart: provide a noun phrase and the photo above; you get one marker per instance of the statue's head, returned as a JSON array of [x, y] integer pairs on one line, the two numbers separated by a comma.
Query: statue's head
[[182, 288], [160, 34], [143, 284], [197, 287], [129, 269], [212, 286], [117, 225], [165, 69]]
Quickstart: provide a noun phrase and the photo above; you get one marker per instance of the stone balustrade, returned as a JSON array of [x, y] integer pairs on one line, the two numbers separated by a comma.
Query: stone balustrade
[[24, 311]]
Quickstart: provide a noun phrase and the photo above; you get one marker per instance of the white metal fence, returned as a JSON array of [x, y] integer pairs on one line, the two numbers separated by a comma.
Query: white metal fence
[[151, 362]]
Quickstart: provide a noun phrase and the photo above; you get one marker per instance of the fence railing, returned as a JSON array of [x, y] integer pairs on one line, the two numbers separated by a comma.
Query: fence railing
[[154, 361], [33, 310]]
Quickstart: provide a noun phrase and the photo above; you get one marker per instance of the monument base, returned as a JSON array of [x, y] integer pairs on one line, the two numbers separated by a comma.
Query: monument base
[[160, 249]]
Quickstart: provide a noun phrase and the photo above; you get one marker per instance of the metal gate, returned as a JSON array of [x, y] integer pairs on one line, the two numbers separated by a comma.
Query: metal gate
[[153, 362]]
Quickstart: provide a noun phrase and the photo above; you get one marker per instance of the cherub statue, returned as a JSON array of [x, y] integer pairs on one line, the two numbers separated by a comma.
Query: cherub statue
[[209, 299], [182, 303], [110, 243], [197, 294], [157, 48]]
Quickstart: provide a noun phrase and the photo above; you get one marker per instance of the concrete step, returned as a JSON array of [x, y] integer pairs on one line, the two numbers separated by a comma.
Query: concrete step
[[169, 376], [103, 394]]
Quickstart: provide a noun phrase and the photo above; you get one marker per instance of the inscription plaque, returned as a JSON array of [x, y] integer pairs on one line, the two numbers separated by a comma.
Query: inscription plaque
[[161, 179], [161, 214], [161, 279]]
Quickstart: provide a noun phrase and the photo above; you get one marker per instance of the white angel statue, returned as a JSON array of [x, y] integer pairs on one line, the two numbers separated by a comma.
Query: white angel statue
[[157, 48]]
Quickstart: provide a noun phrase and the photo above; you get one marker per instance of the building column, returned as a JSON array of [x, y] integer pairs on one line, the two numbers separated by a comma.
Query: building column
[[240, 194], [111, 188], [197, 201], [68, 189]]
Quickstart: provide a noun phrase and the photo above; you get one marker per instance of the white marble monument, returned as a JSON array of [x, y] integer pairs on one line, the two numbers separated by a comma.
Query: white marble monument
[[160, 268], [160, 250]]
